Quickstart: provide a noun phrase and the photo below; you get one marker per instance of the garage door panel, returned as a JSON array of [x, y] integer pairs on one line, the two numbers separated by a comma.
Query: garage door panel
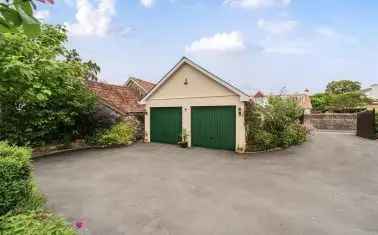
[[166, 124], [213, 127]]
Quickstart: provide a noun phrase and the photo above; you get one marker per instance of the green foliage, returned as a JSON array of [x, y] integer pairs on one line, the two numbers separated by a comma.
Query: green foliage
[[43, 96], [320, 102], [275, 125], [21, 204], [343, 86], [15, 177], [347, 101], [34, 223], [34, 202], [119, 134], [18, 14], [340, 96], [264, 140], [294, 134]]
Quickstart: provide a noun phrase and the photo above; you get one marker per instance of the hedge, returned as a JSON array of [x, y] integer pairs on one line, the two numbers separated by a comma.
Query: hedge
[[15, 176]]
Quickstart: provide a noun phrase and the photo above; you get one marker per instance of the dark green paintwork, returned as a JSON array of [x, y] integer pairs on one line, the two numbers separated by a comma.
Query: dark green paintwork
[[166, 124], [214, 127]]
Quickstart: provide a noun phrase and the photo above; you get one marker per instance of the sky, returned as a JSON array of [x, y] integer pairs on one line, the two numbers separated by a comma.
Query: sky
[[268, 45]]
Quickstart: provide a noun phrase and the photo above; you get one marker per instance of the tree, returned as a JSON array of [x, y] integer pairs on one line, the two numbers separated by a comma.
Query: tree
[[343, 86], [43, 96], [19, 13], [347, 102], [320, 101], [92, 68]]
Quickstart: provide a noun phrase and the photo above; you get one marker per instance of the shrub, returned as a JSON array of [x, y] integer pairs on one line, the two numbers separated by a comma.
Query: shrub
[[34, 223], [293, 134], [274, 125], [15, 176], [121, 133], [264, 140], [320, 102]]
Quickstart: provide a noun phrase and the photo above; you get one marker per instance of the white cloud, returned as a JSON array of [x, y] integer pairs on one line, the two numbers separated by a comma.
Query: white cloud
[[295, 46], [255, 4], [147, 3], [220, 42], [92, 20], [277, 27], [42, 14], [327, 32]]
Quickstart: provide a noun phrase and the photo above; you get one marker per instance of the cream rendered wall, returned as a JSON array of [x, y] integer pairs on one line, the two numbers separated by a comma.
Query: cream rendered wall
[[199, 91]]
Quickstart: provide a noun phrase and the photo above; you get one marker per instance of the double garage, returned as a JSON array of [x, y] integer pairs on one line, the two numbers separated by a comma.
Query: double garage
[[189, 101], [211, 127]]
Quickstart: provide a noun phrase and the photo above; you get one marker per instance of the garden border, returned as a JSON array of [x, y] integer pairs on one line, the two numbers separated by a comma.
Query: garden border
[[71, 150]]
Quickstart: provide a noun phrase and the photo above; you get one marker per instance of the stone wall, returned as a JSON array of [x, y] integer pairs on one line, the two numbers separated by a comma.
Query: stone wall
[[137, 119], [331, 121]]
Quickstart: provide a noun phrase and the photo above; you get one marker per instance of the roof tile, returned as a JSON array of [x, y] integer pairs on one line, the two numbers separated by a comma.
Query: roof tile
[[121, 98]]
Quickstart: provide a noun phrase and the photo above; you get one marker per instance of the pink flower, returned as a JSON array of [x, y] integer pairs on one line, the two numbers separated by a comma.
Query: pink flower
[[80, 224]]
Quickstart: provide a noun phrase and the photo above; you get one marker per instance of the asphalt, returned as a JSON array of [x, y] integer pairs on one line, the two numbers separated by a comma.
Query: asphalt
[[328, 185]]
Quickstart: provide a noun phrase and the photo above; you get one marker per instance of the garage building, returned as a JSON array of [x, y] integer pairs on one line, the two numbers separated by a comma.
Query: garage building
[[192, 101]]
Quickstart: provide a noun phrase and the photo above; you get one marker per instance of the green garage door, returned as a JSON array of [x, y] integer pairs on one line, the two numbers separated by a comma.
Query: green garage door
[[166, 125], [214, 127]]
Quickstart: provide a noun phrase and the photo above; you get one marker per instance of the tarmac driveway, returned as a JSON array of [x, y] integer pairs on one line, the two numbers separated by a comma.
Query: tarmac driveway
[[329, 185]]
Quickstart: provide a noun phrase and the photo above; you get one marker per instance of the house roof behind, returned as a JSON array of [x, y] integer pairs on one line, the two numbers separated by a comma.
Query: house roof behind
[[302, 100], [121, 99], [147, 86], [259, 94]]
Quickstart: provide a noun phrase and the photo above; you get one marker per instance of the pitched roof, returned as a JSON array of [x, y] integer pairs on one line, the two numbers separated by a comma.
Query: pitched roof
[[121, 99], [259, 94], [147, 86], [184, 60]]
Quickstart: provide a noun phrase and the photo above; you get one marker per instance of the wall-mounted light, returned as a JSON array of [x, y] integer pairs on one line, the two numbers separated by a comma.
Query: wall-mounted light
[[240, 111], [186, 81], [146, 112]]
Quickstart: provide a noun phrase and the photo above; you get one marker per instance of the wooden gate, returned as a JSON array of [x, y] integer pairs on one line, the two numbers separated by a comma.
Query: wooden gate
[[366, 124]]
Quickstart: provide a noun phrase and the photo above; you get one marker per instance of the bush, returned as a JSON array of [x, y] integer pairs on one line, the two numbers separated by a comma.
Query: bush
[[34, 223], [293, 134], [275, 125], [264, 141], [121, 133], [15, 176]]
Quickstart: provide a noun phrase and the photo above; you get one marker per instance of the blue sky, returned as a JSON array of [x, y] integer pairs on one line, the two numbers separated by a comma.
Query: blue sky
[[254, 44]]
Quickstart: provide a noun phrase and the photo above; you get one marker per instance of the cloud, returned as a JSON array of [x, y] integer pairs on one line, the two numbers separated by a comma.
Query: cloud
[[220, 42], [296, 46], [329, 33], [256, 4], [92, 20], [277, 27], [147, 3], [42, 14]]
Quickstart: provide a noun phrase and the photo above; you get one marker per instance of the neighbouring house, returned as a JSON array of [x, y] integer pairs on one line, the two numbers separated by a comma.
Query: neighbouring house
[[260, 99], [140, 86], [122, 101], [372, 94], [302, 99], [192, 104]]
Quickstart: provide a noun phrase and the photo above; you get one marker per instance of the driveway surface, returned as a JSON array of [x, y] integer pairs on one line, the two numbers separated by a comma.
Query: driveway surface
[[329, 185]]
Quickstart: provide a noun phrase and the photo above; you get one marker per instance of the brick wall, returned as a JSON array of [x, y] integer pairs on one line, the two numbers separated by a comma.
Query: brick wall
[[331, 121]]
